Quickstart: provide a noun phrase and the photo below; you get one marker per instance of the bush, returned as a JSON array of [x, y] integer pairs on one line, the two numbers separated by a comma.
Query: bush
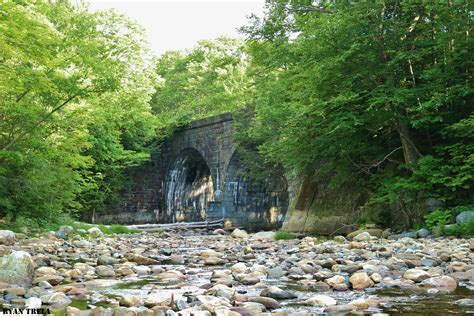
[[438, 218], [282, 235], [37, 224], [466, 229]]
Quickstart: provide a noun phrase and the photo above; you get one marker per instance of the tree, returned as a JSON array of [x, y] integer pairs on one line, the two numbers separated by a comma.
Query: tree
[[74, 97], [207, 80], [377, 90]]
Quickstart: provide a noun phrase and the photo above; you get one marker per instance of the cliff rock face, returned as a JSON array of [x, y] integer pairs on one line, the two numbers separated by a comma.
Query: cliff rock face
[[319, 208]]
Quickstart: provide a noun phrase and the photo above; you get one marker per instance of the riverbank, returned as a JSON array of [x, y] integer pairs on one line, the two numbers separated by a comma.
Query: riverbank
[[213, 273]]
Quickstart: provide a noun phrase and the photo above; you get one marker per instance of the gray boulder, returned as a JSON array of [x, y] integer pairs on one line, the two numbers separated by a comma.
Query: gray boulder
[[95, 232], [17, 268], [423, 233], [7, 237], [465, 217]]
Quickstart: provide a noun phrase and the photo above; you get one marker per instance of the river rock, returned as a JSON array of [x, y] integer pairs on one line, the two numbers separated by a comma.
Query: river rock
[[254, 308], [105, 271], [364, 303], [249, 280], [465, 217], [458, 266], [277, 293], [364, 236], [95, 232], [141, 270], [211, 303], [65, 231], [416, 275], [42, 271], [239, 267], [213, 261], [268, 302], [158, 299], [221, 290], [320, 300], [465, 302], [171, 275], [107, 260], [240, 233], [275, 273], [335, 280], [19, 291], [33, 302], [7, 237], [17, 268], [264, 235], [101, 311], [443, 283], [141, 260], [371, 231], [56, 298], [210, 253], [360, 281], [130, 300], [423, 233], [51, 279], [82, 243]]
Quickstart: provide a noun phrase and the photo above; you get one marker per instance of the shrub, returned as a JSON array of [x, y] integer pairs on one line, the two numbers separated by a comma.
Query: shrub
[[438, 218], [282, 235], [465, 229]]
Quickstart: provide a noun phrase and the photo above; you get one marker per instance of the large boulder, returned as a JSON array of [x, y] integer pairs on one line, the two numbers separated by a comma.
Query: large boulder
[[17, 268], [7, 237], [465, 217]]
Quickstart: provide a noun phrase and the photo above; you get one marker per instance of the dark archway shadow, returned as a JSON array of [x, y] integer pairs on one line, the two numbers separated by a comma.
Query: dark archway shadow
[[189, 188]]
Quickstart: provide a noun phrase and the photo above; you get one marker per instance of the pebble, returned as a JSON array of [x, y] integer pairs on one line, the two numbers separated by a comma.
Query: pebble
[[184, 273]]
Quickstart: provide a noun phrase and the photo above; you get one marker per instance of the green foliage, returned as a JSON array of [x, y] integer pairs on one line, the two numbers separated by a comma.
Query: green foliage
[[74, 112], [282, 235], [458, 230], [378, 91], [117, 229], [438, 218], [207, 80]]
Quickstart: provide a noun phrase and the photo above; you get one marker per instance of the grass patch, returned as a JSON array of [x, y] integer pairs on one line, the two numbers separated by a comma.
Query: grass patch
[[282, 235], [117, 229]]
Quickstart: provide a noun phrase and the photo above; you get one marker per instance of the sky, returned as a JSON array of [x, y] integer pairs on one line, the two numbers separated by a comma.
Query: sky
[[180, 24]]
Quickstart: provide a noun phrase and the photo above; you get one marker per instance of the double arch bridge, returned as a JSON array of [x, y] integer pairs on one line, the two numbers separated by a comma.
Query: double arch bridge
[[197, 175]]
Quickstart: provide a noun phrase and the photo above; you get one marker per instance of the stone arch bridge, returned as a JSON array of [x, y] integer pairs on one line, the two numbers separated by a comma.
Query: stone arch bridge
[[197, 175]]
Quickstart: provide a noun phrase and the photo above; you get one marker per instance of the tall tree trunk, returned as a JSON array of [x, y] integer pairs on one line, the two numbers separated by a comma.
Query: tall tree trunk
[[410, 152]]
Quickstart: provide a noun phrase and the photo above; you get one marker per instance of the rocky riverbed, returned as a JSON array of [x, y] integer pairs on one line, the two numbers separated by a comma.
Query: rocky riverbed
[[216, 273]]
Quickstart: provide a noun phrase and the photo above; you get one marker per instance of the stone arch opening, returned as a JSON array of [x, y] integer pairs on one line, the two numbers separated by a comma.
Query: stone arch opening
[[251, 204], [189, 188]]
